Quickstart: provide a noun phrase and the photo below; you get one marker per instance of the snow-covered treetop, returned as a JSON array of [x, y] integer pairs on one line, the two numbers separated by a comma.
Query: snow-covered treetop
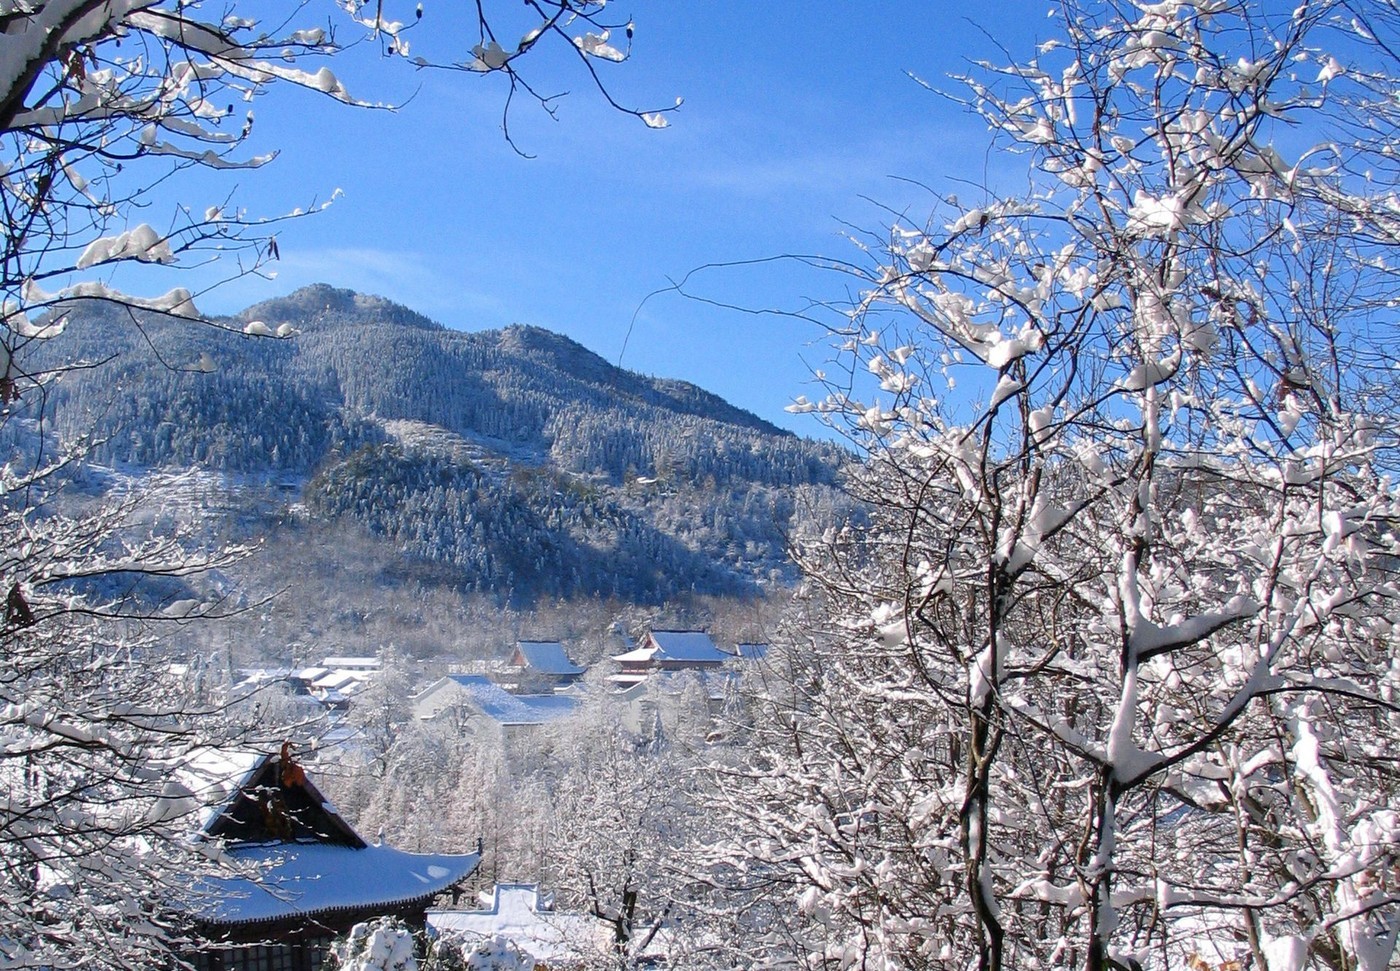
[[1131, 450], [101, 100]]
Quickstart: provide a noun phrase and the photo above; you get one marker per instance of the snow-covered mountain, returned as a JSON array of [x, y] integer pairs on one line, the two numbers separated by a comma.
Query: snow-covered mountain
[[514, 462]]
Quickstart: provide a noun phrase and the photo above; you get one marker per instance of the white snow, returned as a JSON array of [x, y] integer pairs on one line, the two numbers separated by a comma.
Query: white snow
[[304, 878], [142, 244], [523, 915]]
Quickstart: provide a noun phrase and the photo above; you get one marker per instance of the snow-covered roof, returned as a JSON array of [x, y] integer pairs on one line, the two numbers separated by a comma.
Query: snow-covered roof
[[547, 657], [507, 709], [311, 673], [681, 646], [335, 680], [514, 911], [359, 663], [638, 654], [209, 780], [301, 879], [685, 645], [316, 864]]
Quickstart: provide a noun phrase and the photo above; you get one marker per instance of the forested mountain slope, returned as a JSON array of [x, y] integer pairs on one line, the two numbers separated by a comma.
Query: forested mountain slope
[[512, 461]]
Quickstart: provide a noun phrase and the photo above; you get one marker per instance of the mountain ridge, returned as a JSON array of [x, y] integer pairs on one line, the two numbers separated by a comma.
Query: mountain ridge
[[517, 460]]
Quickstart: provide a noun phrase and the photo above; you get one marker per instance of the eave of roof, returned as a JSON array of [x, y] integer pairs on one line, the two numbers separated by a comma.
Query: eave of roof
[[299, 881]]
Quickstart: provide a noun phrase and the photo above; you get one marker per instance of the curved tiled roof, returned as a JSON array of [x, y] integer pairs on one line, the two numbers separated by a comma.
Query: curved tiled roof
[[303, 880]]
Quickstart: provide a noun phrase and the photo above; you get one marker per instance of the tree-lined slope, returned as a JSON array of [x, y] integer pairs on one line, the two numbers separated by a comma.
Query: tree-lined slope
[[512, 461]]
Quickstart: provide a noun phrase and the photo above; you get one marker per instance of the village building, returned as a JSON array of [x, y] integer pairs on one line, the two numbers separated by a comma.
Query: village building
[[480, 705], [539, 666], [309, 876], [668, 650], [354, 663], [336, 680]]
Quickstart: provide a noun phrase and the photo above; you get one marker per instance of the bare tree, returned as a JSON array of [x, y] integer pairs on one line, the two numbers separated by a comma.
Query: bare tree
[[102, 102], [1108, 679]]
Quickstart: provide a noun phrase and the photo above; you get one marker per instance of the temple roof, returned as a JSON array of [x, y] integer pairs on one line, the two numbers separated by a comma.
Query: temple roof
[[547, 657], [300, 880], [294, 857], [676, 646]]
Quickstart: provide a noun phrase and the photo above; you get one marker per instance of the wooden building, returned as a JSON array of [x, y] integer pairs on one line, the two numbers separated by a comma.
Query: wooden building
[[669, 650], [537, 666], [308, 876]]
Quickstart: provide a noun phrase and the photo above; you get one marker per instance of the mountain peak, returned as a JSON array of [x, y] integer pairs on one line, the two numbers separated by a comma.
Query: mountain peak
[[321, 303]]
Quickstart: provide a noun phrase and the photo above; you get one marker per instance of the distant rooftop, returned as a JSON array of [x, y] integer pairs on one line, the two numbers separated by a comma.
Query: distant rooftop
[[352, 662], [547, 657], [676, 646], [507, 709]]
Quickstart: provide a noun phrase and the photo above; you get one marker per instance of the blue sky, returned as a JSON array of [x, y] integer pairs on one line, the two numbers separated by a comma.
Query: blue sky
[[795, 130]]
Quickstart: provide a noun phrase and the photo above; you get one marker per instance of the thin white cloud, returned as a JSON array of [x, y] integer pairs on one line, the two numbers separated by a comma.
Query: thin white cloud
[[410, 278]]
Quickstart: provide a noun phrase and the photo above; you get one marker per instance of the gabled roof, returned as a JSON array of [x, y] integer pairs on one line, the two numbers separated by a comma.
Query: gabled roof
[[679, 646], [507, 709], [546, 657], [274, 801]]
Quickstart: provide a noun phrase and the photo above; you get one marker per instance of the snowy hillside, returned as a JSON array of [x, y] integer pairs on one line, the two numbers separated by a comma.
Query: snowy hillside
[[512, 462]]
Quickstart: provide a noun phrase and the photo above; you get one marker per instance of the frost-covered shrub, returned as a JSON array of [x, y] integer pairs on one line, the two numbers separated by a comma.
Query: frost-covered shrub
[[494, 954], [383, 944], [386, 944]]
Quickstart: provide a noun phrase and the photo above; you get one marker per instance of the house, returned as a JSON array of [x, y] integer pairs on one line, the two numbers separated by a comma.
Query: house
[[483, 705], [538, 666], [303, 680], [370, 665], [336, 680], [301, 875], [669, 650], [523, 915]]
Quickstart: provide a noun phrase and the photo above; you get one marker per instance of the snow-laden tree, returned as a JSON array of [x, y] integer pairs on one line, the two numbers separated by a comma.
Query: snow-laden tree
[[96, 732], [626, 839], [1110, 681], [616, 821], [101, 101], [104, 105]]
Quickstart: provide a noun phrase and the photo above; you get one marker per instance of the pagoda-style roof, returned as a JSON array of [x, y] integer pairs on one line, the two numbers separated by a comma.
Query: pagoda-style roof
[[298, 882], [298, 865], [277, 803], [674, 647]]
